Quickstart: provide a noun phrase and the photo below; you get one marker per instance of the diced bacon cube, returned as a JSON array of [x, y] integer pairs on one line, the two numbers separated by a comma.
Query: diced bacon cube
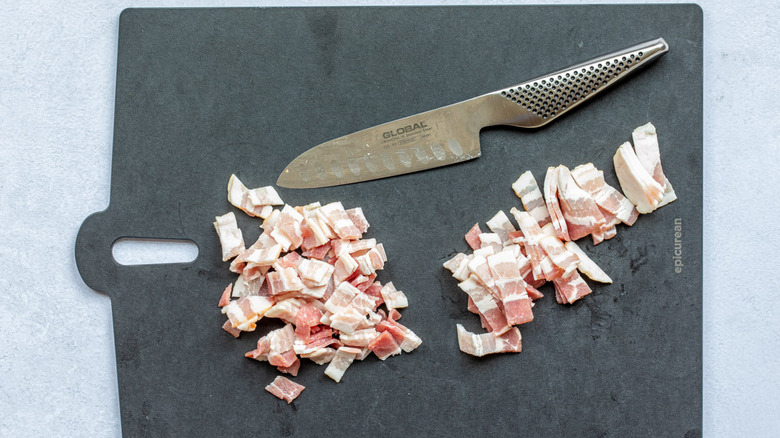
[[225, 299], [359, 338], [571, 288], [345, 266], [489, 343], [317, 252], [341, 297], [340, 362], [384, 346], [321, 356], [283, 281], [230, 236], [339, 221], [347, 320], [285, 389], [253, 202], [291, 369], [472, 237], [393, 298], [228, 327], [315, 272], [500, 225], [358, 218]]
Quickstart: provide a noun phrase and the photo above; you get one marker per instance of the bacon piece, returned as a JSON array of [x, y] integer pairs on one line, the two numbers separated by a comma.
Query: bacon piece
[[492, 241], [292, 369], [358, 218], [588, 266], [393, 298], [558, 254], [359, 338], [339, 221], [255, 202], [244, 312], [542, 266], [320, 356], [287, 230], [228, 327], [638, 185], [489, 343], [486, 303], [318, 252], [570, 289], [285, 389], [230, 237], [315, 272], [553, 208], [284, 360], [282, 281], [345, 266], [246, 288], [607, 197], [472, 237], [500, 225], [395, 315], [384, 346], [581, 213], [648, 153], [306, 317], [514, 297], [285, 309], [341, 297], [225, 299], [458, 265], [340, 362], [406, 338], [528, 191]]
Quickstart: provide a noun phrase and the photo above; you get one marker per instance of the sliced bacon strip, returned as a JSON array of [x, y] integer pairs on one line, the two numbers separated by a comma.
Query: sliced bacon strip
[[571, 288], [486, 303], [582, 215], [501, 225], [285, 389], [638, 185], [607, 197], [393, 298], [225, 299], [489, 343], [646, 147], [255, 202], [472, 237], [553, 208], [458, 265], [588, 266], [230, 237], [340, 362], [358, 218], [528, 191], [514, 297]]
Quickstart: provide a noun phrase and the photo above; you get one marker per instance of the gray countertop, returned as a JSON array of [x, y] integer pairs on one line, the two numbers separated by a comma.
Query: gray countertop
[[57, 77]]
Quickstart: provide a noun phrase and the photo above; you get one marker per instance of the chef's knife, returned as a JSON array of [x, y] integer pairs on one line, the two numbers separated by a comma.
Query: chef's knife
[[450, 134]]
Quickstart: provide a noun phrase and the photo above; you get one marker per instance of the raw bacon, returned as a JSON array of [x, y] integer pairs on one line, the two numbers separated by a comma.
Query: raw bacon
[[638, 185], [285, 389], [255, 202], [553, 208], [581, 213], [528, 191], [472, 237], [607, 197], [489, 343], [230, 236], [648, 153]]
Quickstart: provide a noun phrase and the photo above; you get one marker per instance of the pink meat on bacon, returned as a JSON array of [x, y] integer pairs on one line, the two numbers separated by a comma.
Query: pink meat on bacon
[[285, 389], [358, 218], [472, 237], [489, 343], [514, 297], [283, 281], [553, 208], [317, 252], [528, 191], [486, 303], [339, 221], [225, 299], [582, 215], [307, 317], [571, 288], [590, 179], [230, 237], [384, 346]]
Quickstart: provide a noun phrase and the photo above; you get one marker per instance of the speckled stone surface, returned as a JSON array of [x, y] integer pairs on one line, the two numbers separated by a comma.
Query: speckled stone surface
[[57, 366]]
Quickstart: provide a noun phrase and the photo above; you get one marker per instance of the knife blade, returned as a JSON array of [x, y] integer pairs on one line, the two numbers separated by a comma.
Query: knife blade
[[450, 134]]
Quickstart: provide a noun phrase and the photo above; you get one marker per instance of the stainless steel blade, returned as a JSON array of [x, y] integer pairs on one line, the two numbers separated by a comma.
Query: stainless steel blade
[[450, 134], [434, 138]]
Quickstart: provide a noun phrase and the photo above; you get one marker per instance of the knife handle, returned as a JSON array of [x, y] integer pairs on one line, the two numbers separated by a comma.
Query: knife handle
[[539, 101]]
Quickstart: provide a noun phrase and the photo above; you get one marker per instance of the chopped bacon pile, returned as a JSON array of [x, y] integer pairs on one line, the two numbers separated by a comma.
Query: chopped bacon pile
[[508, 265], [326, 294]]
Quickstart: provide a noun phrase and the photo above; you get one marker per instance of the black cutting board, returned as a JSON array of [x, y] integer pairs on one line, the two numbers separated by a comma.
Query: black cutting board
[[203, 93]]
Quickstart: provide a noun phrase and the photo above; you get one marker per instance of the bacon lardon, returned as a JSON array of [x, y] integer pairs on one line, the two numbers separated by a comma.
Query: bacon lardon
[[472, 237], [570, 289], [489, 343], [528, 191], [553, 207], [255, 202], [340, 362], [648, 153], [486, 303], [588, 266], [514, 297], [607, 197], [393, 298], [230, 237], [501, 225], [285, 389], [637, 184], [581, 213]]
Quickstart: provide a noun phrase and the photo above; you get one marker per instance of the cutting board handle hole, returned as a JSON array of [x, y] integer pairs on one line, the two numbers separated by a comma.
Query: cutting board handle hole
[[136, 251]]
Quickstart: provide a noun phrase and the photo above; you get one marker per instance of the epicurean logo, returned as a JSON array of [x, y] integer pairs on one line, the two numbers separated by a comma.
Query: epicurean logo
[[404, 130], [677, 257]]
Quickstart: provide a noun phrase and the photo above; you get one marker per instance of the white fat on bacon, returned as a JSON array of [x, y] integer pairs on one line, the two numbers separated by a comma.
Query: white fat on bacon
[[588, 266], [255, 202], [341, 361], [580, 211], [500, 225], [285, 389], [638, 185], [649, 154], [528, 191], [553, 207], [607, 197], [230, 237], [394, 299], [489, 343]]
